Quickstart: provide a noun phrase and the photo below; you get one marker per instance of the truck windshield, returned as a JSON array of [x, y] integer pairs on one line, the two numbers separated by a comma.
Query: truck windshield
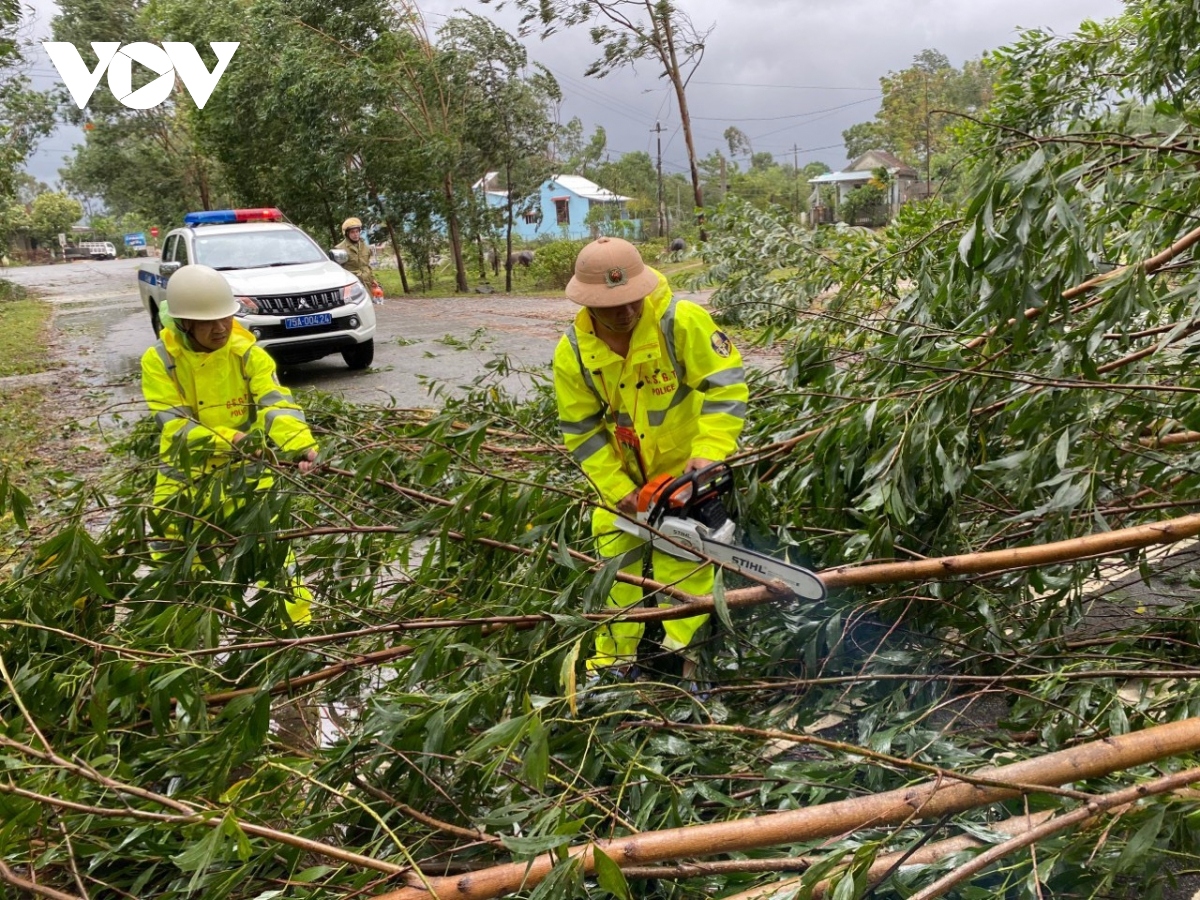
[[256, 250]]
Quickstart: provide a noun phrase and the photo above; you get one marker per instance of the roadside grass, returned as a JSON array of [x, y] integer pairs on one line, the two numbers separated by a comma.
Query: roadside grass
[[24, 331], [443, 283], [24, 334]]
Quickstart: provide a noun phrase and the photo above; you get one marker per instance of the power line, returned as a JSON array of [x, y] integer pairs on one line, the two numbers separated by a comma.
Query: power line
[[798, 124], [813, 112], [794, 87]]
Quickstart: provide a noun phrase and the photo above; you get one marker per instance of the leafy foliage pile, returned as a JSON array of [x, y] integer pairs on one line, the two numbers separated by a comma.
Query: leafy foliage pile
[[921, 411]]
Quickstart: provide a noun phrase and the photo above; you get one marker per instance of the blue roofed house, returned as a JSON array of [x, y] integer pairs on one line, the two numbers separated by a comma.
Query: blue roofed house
[[902, 186], [562, 207]]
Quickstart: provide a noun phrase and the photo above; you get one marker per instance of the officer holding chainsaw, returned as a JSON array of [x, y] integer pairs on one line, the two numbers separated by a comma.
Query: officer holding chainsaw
[[646, 385]]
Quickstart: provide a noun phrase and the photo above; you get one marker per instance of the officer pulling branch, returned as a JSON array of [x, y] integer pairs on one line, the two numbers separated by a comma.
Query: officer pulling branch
[[210, 386]]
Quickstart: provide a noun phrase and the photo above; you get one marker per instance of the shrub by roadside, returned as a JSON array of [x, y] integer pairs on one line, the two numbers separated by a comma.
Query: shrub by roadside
[[554, 263]]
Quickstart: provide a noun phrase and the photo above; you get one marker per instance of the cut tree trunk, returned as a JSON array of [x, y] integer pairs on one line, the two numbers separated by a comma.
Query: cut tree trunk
[[919, 801]]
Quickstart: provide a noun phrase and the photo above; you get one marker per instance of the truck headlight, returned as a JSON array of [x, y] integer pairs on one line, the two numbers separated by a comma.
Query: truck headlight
[[355, 294], [248, 306]]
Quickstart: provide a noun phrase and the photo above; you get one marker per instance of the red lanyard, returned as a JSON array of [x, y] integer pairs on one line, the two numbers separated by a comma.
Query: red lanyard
[[629, 446]]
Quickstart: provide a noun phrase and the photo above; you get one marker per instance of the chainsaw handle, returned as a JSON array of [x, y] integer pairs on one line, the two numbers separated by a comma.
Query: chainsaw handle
[[716, 476]]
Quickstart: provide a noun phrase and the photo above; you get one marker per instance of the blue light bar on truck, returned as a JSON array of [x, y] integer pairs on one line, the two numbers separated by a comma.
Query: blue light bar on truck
[[232, 216]]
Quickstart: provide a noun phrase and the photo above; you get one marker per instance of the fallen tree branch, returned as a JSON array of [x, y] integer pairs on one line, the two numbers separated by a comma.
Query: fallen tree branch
[[301, 681], [723, 867], [920, 801], [1103, 543], [1171, 440], [930, 853], [1153, 264], [1092, 809], [437, 824], [186, 814], [772, 734], [8, 876]]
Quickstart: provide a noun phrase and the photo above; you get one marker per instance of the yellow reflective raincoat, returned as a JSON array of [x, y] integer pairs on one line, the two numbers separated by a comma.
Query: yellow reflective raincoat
[[682, 391], [201, 400], [204, 399]]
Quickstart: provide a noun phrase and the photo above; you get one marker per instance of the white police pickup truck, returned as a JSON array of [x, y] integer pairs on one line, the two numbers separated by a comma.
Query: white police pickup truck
[[298, 302]]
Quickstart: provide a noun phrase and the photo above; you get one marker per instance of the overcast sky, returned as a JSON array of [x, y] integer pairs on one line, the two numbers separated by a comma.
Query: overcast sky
[[788, 74]]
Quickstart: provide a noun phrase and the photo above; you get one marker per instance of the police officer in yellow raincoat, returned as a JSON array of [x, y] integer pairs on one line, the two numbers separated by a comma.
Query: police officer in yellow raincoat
[[359, 251], [209, 386], [646, 385]]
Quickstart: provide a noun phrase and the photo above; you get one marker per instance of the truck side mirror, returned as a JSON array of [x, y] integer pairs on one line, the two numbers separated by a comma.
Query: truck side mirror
[[341, 257], [167, 269]]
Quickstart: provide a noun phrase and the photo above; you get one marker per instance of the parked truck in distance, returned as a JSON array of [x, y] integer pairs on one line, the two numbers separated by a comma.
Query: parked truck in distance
[[298, 302], [99, 249]]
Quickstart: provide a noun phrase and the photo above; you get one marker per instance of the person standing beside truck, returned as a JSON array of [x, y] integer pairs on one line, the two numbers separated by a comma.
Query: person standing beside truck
[[210, 386], [359, 253]]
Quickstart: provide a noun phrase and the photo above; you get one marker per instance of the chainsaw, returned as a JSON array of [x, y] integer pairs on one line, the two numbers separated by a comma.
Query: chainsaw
[[688, 510]]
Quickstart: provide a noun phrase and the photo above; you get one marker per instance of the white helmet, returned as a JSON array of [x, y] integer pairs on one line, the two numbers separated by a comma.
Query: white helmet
[[201, 293]]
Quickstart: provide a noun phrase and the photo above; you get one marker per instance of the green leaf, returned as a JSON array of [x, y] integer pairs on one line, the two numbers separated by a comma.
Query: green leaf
[[567, 679], [503, 734], [966, 243], [1062, 450], [562, 545], [1142, 841], [722, 608], [536, 766], [609, 874], [532, 846]]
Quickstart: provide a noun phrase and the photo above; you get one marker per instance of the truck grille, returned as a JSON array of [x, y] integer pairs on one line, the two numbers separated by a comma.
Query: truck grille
[[291, 304]]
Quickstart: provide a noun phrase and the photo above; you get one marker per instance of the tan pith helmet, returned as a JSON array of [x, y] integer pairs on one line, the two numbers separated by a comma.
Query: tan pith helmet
[[609, 272], [351, 222], [200, 293]]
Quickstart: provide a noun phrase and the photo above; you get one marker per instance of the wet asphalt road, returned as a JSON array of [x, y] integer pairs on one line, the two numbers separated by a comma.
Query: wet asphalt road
[[102, 330]]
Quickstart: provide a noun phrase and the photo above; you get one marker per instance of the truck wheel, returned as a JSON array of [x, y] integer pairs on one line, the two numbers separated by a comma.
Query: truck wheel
[[360, 355], [155, 321]]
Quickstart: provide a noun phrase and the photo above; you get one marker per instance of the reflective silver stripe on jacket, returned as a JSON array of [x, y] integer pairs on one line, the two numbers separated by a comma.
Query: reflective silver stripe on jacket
[[583, 426], [573, 339], [171, 473], [273, 414], [175, 412], [667, 324], [657, 417], [594, 444], [729, 407], [272, 398], [168, 362], [251, 404], [724, 378]]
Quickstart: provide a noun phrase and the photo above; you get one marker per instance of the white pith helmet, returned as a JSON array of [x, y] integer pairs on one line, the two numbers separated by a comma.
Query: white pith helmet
[[200, 293]]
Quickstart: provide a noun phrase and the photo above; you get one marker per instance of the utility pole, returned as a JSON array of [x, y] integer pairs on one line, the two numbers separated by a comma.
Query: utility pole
[[928, 149], [662, 225], [796, 176], [724, 181]]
